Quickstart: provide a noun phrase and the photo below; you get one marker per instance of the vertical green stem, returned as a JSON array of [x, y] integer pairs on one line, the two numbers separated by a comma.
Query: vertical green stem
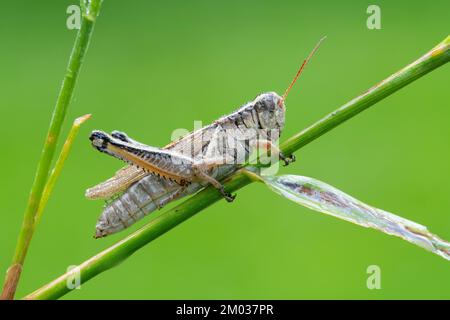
[[90, 12]]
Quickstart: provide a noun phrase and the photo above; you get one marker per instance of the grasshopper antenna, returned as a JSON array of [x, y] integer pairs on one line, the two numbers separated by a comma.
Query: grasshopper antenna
[[300, 70]]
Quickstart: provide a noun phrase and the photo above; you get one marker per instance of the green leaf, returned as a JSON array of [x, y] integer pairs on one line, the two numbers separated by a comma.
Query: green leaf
[[324, 198]]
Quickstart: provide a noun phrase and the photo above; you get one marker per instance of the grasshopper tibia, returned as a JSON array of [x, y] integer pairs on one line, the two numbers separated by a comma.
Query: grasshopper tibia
[[270, 147], [216, 184]]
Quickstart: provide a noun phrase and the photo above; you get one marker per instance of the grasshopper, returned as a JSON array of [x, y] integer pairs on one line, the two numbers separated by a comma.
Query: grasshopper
[[157, 176]]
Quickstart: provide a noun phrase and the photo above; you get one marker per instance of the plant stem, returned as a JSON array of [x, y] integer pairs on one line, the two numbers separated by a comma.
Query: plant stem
[[160, 225], [59, 165], [90, 12]]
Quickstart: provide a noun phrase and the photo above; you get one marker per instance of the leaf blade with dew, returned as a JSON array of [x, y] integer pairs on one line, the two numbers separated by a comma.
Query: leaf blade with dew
[[322, 197]]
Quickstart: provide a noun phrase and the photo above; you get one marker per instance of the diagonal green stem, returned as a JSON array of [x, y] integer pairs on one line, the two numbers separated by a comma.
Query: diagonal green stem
[[123, 249], [90, 12]]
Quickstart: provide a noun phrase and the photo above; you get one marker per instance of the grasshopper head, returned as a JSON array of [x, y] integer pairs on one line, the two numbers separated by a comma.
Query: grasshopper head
[[271, 110]]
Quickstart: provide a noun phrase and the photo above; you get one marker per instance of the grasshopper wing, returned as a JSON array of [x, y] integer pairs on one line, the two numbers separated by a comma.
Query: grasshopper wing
[[116, 184]]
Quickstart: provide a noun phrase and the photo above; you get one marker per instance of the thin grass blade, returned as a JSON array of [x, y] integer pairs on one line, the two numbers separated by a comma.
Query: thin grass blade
[[49, 186]]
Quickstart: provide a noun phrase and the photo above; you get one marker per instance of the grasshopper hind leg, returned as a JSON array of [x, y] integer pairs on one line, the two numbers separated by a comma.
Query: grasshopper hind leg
[[119, 135], [122, 136]]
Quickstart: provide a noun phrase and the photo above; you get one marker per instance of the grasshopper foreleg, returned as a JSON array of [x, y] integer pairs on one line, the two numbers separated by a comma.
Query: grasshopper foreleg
[[269, 146]]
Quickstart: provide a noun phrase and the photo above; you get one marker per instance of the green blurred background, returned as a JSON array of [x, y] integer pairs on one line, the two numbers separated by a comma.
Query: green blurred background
[[154, 66]]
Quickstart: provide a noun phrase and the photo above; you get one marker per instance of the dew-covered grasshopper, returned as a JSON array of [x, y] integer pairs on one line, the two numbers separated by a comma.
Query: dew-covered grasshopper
[[157, 176]]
